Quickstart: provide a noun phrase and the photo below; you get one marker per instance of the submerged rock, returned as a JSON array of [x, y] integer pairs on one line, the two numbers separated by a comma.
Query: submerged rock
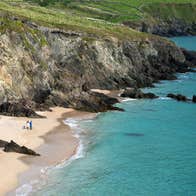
[[137, 94], [134, 134], [14, 147]]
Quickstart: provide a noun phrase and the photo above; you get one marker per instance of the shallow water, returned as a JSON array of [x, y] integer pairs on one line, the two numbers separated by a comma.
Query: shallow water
[[149, 150]]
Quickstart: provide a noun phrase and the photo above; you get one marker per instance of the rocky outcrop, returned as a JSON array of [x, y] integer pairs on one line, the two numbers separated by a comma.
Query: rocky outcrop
[[190, 57], [17, 109], [14, 147], [178, 97], [93, 102], [137, 94], [3, 143], [168, 28], [50, 68]]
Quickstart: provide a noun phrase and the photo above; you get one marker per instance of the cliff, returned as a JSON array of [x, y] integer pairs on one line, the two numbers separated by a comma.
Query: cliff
[[42, 67]]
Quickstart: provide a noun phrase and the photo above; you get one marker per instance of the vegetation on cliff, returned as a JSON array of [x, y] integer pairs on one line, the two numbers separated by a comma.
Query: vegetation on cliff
[[64, 19], [102, 17], [53, 55]]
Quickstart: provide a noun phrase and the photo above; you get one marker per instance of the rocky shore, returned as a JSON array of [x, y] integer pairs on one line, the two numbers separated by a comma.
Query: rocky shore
[[59, 69]]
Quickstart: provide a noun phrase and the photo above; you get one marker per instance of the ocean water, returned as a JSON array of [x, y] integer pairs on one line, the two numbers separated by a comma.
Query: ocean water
[[149, 150]]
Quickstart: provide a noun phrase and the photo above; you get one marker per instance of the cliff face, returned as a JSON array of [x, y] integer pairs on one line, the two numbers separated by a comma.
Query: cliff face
[[51, 67]]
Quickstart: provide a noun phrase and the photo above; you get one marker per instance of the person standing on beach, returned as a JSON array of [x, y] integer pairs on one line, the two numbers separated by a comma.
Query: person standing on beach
[[31, 125], [27, 125]]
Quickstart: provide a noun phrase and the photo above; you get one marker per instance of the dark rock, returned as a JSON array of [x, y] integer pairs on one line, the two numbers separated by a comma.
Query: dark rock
[[149, 96], [41, 95], [14, 147], [3, 143], [17, 109], [194, 99], [132, 93], [177, 97], [137, 94], [190, 57], [93, 102]]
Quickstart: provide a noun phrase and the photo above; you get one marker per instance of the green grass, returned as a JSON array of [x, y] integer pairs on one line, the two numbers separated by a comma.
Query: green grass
[[98, 18], [114, 10], [63, 19]]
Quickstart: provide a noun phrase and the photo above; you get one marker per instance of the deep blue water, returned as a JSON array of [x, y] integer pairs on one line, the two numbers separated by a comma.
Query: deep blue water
[[149, 150]]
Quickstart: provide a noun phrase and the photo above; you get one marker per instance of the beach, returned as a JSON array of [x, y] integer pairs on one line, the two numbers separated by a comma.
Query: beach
[[49, 136]]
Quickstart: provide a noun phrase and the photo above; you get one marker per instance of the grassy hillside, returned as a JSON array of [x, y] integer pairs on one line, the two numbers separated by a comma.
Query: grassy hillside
[[95, 17], [117, 10], [60, 18]]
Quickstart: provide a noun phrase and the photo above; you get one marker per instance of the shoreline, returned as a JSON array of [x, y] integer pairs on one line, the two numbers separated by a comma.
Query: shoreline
[[49, 135], [56, 141]]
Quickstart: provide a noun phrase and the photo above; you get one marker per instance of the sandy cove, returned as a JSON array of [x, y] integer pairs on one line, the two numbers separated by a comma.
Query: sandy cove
[[49, 136]]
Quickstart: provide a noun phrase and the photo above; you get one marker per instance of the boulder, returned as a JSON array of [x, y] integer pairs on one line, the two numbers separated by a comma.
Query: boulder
[[137, 94], [14, 147], [177, 97], [194, 99], [149, 96], [17, 109]]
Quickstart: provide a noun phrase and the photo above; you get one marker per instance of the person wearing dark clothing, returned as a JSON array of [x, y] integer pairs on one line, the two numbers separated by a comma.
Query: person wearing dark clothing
[[31, 125]]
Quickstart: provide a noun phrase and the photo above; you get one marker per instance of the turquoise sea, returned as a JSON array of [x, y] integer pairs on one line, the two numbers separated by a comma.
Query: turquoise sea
[[149, 150]]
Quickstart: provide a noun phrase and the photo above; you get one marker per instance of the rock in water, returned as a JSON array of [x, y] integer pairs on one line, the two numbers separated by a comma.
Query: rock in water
[[137, 94], [177, 97], [190, 56], [14, 147], [149, 95], [194, 99]]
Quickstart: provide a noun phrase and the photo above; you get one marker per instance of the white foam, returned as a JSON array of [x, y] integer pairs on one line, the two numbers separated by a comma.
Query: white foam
[[24, 190], [72, 123], [164, 98], [128, 99]]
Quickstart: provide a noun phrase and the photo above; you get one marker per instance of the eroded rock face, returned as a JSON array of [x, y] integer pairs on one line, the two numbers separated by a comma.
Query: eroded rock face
[[190, 56], [14, 147], [17, 109], [60, 70], [137, 94]]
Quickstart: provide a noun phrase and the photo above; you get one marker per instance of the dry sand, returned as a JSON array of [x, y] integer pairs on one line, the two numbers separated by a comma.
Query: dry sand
[[13, 164]]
